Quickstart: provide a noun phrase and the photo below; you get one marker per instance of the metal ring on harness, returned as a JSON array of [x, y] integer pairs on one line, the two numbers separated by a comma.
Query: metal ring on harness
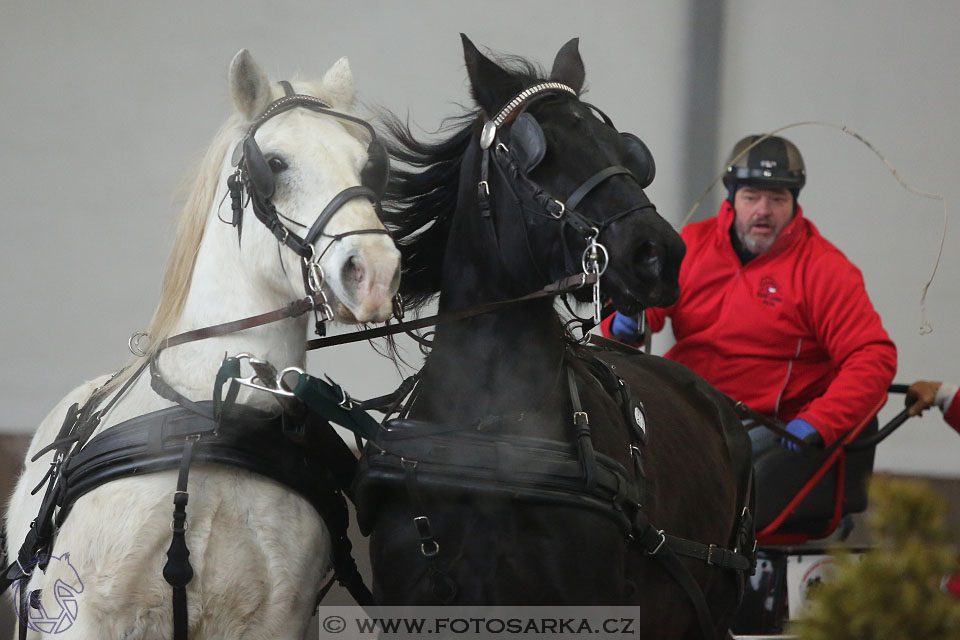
[[315, 275], [591, 254], [133, 343]]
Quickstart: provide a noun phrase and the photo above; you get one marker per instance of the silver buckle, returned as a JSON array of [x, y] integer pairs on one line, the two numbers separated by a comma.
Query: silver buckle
[[346, 402], [563, 210], [24, 571], [663, 539], [710, 549]]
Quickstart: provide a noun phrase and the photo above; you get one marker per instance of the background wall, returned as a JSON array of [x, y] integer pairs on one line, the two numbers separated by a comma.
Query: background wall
[[106, 104]]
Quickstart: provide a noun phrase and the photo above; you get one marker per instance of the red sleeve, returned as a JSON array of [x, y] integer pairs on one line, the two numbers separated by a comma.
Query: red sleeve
[[952, 416], [844, 321], [605, 326], [657, 318]]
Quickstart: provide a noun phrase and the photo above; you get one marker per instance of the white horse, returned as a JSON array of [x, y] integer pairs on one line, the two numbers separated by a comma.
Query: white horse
[[259, 551]]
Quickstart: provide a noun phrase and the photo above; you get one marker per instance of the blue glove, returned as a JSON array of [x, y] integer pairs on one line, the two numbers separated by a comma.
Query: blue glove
[[800, 428], [625, 328]]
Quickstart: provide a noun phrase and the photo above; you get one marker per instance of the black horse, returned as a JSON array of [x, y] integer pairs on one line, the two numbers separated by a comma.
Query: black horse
[[531, 469]]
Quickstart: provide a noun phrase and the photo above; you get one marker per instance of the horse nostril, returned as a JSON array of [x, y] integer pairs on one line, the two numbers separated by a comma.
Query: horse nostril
[[649, 258], [353, 271]]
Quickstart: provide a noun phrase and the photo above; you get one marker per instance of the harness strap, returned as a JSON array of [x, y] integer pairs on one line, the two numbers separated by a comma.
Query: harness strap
[[292, 310], [442, 586], [593, 181], [332, 403], [581, 422], [178, 572], [389, 402], [334, 205], [165, 391], [654, 543], [710, 553], [23, 608]]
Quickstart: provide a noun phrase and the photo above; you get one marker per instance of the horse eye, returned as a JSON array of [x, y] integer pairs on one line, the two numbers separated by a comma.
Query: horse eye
[[277, 165]]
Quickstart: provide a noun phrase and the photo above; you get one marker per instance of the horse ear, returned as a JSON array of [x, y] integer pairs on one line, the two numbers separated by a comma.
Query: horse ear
[[338, 84], [249, 86], [568, 66], [491, 85]]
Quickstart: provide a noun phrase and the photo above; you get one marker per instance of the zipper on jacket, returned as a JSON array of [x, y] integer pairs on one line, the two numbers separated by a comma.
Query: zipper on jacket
[[783, 387]]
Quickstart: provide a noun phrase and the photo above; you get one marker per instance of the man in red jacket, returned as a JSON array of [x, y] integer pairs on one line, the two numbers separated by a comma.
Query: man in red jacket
[[770, 312]]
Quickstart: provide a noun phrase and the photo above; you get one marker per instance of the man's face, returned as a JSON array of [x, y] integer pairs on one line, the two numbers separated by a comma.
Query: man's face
[[761, 214]]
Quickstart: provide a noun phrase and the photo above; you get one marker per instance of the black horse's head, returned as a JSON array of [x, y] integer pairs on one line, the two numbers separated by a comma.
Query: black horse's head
[[574, 177], [505, 206]]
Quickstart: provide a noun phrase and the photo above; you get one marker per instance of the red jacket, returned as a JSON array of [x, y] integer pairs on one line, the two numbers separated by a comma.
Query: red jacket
[[792, 333], [952, 415]]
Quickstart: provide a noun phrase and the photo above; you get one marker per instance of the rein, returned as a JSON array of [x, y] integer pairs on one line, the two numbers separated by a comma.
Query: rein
[[565, 285]]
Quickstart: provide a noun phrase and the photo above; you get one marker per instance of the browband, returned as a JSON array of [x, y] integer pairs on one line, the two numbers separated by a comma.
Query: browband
[[490, 126]]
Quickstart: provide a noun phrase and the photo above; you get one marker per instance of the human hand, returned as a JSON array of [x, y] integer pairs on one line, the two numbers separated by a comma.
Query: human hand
[[921, 396], [801, 429], [625, 328]]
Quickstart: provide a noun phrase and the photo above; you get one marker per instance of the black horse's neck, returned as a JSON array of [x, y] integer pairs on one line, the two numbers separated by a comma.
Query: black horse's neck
[[498, 365], [502, 363]]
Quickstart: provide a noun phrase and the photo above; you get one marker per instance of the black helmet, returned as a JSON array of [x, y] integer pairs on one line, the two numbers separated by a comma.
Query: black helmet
[[775, 163]]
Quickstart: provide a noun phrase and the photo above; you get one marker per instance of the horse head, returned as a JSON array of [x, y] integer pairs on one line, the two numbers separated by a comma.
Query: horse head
[[313, 174], [576, 178]]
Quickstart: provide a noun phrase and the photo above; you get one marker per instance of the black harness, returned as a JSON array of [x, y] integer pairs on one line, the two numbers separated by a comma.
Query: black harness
[[425, 458], [421, 456]]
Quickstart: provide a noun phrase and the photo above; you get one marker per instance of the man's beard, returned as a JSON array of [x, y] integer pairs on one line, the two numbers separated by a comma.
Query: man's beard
[[752, 244]]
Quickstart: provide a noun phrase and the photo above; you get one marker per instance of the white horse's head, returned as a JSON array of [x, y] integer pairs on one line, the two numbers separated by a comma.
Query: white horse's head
[[313, 163]]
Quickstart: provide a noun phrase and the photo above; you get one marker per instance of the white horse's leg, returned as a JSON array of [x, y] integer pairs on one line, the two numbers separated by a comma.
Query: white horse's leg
[[259, 553]]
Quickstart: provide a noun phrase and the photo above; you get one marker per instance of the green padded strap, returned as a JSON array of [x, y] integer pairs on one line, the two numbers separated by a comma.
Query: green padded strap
[[228, 370], [332, 403]]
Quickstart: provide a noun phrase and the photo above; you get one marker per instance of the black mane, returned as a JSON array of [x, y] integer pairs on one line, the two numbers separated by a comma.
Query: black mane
[[421, 200]]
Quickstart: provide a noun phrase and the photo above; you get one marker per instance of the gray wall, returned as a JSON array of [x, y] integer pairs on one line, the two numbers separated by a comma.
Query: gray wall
[[106, 103]]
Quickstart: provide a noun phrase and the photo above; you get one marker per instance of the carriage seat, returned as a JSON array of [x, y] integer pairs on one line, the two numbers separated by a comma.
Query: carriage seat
[[780, 475]]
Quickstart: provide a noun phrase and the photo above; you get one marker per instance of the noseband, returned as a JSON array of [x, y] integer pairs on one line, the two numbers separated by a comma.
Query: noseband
[[527, 146], [253, 174]]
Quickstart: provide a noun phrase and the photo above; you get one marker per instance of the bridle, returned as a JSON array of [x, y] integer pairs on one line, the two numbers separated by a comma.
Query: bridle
[[254, 174], [513, 164]]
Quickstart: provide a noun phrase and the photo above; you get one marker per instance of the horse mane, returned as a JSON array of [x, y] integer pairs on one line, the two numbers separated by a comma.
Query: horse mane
[[199, 187], [421, 200]]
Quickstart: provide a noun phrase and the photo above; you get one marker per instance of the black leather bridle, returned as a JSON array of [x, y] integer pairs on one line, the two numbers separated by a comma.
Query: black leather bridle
[[513, 163], [253, 174]]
